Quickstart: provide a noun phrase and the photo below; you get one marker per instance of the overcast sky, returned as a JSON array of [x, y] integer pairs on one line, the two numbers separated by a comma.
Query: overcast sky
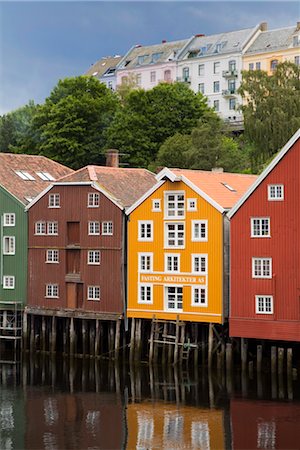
[[41, 42]]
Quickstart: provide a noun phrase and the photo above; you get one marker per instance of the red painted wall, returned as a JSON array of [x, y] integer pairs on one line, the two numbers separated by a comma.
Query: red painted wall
[[283, 247]]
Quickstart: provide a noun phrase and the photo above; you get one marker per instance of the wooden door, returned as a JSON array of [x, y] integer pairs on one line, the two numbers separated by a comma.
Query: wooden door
[[73, 233]]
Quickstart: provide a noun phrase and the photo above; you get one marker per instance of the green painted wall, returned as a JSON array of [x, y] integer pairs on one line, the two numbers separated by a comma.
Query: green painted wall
[[16, 264]]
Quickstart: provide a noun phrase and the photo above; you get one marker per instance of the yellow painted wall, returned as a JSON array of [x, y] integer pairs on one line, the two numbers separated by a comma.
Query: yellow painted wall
[[213, 248], [266, 58]]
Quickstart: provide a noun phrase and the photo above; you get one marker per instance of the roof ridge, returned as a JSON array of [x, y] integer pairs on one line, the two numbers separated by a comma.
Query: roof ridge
[[92, 173]]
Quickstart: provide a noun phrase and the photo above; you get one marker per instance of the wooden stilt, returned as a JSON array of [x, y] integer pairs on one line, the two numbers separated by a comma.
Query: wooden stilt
[[111, 340], [289, 361], [164, 349], [259, 358], [280, 360], [176, 342], [117, 339], [84, 337], [132, 340], [170, 349], [97, 338], [25, 330], [244, 352], [151, 342], [273, 359], [65, 336], [196, 351], [210, 344], [228, 357], [72, 336], [43, 334], [138, 338], [32, 332], [53, 335], [92, 338], [203, 344], [182, 339]]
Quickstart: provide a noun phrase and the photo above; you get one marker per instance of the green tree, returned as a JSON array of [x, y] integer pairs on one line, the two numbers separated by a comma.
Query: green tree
[[271, 109], [73, 120], [148, 118], [174, 152]]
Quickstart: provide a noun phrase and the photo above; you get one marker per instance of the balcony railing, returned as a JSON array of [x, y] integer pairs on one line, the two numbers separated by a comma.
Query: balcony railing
[[229, 92], [230, 73], [184, 79]]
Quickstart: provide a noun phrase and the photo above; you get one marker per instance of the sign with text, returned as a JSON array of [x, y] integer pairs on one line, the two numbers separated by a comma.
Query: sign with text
[[172, 279]]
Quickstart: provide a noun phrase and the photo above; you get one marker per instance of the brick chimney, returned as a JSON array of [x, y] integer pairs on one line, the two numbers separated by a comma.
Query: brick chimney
[[217, 169], [264, 26], [112, 158]]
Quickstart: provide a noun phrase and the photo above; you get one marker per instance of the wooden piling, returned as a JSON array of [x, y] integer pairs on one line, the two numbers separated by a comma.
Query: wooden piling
[[53, 335], [84, 336], [280, 360], [32, 332], [138, 340], [228, 357], [117, 339], [111, 339], [43, 334], [97, 338], [273, 359], [176, 342], [210, 344], [151, 342], [72, 336], [132, 340], [196, 351], [92, 336], [259, 358], [244, 353], [25, 330], [289, 361], [182, 339]]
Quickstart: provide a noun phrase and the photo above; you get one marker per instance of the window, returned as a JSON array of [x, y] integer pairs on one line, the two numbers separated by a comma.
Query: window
[[107, 228], [185, 73], [52, 290], [261, 267], [199, 296], [156, 205], [172, 263], [40, 228], [93, 200], [174, 298], [52, 256], [297, 60], [199, 230], [152, 77], [192, 204], [201, 88], [201, 70], [9, 245], [54, 201], [258, 66], [145, 293], [251, 66], [218, 47], [145, 230], [231, 86], [174, 205], [264, 304], [216, 105], [167, 75], [145, 262], [156, 56], [199, 264], [52, 227], [232, 65], [94, 257], [25, 175], [296, 41], [139, 79], [9, 219], [94, 228], [174, 235], [45, 176], [275, 192], [93, 293], [216, 86], [260, 227], [8, 282], [232, 104], [216, 67], [141, 58], [274, 64]]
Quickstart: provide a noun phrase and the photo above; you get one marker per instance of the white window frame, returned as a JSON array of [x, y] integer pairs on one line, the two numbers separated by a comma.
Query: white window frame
[[176, 298], [92, 227], [38, 226], [92, 259], [190, 206], [261, 261], [264, 297], [200, 256], [149, 256], [11, 245], [147, 288], [9, 219], [177, 211], [176, 239], [92, 293], [8, 282], [156, 205], [52, 228], [172, 256], [54, 201], [107, 228], [145, 223], [199, 287], [199, 223], [52, 256], [93, 200], [260, 227], [277, 197], [52, 290]]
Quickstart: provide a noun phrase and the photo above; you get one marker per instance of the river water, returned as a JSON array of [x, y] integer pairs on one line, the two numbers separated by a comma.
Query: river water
[[83, 404]]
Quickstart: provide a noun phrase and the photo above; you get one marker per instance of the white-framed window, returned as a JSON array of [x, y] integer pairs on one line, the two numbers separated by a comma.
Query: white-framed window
[[145, 293], [216, 86], [260, 227], [93, 257], [172, 262], [152, 77], [216, 67], [54, 201], [107, 228], [52, 228], [192, 204], [94, 228], [9, 219], [145, 231], [9, 245], [93, 293], [8, 282], [199, 296], [52, 256], [199, 263], [24, 175], [40, 227], [145, 262], [275, 192], [174, 298], [264, 304], [93, 200], [199, 231], [174, 235], [45, 176], [174, 205], [52, 290], [201, 88], [201, 70], [261, 267], [216, 105], [156, 205]]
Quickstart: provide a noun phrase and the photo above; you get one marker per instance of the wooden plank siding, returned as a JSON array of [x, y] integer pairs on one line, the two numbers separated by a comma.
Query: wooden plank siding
[[283, 246]]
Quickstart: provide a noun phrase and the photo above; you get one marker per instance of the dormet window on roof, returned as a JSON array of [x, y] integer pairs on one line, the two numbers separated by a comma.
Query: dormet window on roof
[[45, 176], [24, 175], [156, 56], [193, 54], [142, 58]]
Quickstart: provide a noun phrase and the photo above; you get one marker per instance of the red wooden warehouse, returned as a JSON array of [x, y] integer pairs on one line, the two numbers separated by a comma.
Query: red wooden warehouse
[[265, 252]]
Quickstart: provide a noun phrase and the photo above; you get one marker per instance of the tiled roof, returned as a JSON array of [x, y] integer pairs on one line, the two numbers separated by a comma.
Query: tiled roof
[[123, 184], [104, 64], [218, 185], [267, 41], [26, 189]]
